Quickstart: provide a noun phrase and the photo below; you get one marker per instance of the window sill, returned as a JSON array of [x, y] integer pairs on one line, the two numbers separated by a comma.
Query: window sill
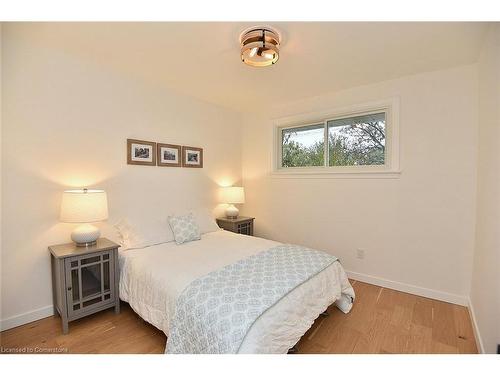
[[375, 174]]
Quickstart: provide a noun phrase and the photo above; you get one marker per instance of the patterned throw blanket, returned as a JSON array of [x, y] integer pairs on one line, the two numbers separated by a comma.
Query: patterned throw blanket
[[215, 312]]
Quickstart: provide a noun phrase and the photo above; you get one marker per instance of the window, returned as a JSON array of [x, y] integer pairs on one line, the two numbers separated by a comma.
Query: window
[[351, 142], [303, 146], [357, 140]]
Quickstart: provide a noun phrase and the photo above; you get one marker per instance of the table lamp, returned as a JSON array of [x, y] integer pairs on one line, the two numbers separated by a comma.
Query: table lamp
[[232, 195], [84, 206]]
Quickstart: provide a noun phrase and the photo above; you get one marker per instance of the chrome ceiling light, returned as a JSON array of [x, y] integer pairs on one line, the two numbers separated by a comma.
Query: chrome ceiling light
[[260, 46]]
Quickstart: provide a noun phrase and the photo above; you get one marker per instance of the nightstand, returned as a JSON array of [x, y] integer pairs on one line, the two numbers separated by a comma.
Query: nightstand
[[242, 224], [84, 279]]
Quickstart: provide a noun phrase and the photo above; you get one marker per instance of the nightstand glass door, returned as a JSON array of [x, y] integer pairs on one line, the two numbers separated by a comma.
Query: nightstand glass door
[[89, 279], [245, 228]]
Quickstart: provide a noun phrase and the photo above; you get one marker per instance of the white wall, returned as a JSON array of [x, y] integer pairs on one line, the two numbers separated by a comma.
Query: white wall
[[485, 291], [1, 117], [65, 124], [417, 229]]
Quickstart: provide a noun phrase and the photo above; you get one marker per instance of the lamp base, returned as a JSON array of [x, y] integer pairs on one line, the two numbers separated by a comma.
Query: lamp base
[[232, 212], [85, 235]]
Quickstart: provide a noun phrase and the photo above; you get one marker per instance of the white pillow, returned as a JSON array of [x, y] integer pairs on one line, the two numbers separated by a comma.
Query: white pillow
[[205, 221], [139, 233], [184, 228]]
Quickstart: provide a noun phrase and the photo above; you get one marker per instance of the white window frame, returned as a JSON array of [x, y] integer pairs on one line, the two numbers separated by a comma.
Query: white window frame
[[390, 169]]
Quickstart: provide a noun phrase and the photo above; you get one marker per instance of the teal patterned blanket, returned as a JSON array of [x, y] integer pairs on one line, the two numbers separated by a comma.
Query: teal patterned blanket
[[214, 313]]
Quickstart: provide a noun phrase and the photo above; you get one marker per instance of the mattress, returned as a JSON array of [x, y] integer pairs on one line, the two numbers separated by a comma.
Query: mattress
[[152, 278]]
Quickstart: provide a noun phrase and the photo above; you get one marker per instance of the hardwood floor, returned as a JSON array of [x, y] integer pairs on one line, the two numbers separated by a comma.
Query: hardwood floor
[[381, 321], [387, 321], [103, 332]]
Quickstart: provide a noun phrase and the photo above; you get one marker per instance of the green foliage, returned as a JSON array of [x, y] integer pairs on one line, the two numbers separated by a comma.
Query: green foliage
[[296, 155], [356, 144]]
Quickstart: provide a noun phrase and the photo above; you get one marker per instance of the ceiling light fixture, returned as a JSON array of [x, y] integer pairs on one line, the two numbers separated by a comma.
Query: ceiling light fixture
[[260, 46]]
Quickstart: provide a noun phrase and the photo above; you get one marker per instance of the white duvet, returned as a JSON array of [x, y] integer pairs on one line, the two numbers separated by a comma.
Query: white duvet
[[152, 278]]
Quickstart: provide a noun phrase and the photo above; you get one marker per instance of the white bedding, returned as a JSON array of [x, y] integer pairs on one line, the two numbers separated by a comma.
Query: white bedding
[[151, 279]]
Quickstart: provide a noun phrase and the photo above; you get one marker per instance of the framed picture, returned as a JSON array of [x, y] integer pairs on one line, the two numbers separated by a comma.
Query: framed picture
[[192, 157], [169, 155], [141, 152]]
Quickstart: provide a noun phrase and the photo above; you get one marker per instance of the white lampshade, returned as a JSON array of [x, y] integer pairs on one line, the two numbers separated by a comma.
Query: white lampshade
[[84, 206], [232, 195]]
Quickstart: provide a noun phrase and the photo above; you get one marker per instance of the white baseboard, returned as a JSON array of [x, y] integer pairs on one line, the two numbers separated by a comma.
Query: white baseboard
[[412, 289], [30, 316], [477, 334]]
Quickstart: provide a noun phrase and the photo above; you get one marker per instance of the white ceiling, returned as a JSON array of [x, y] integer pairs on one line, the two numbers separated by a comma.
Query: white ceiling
[[202, 59]]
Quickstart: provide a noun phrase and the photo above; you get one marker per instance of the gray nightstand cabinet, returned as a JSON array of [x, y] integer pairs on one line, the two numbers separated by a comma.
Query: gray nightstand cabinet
[[242, 224], [84, 279]]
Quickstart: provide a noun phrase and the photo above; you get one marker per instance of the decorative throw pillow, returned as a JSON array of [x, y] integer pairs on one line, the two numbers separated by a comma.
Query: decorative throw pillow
[[185, 228]]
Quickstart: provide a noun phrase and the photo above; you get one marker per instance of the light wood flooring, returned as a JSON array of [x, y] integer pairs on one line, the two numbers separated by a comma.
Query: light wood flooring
[[381, 321]]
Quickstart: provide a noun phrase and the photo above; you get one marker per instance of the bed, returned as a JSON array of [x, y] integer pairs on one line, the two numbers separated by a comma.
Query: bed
[[153, 278]]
